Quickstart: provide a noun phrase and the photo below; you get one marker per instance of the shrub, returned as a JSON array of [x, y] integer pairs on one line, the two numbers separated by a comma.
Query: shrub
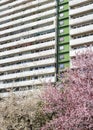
[[16, 112]]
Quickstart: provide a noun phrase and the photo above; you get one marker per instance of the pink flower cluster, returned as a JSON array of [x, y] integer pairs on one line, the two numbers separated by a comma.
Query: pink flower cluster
[[72, 106]]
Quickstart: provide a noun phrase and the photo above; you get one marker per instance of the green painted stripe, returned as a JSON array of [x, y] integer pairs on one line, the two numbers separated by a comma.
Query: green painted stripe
[[62, 34]]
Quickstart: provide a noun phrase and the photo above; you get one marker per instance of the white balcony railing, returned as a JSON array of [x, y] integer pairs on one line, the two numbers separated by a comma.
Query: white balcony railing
[[28, 73], [29, 40], [28, 25], [22, 7], [29, 82], [26, 13], [81, 41], [28, 56], [18, 2], [78, 50], [29, 64], [28, 48], [82, 19], [81, 30], [4, 1], [76, 2], [27, 33], [81, 10]]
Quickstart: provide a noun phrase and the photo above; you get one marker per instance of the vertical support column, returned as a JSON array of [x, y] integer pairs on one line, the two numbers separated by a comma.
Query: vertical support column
[[62, 35]]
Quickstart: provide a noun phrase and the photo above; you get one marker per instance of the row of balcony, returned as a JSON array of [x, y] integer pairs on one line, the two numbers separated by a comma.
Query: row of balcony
[[81, 41], [76, 2], [17, 3], [80, 30], [28, 73], [29, 40], [81, 10], [28, 25], [28, 65], [4, 1], [82, 19], [23, 14], [28, 82], [27, 19], [28, 56], [79, 50], [27, 33], [28, 48], [27, 6]]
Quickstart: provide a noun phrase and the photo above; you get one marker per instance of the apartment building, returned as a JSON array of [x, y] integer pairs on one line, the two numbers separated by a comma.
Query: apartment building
[[38, 38], [27, 43]]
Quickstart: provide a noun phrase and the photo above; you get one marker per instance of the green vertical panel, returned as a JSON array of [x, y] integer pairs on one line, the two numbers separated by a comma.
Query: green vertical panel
[[62, 34]]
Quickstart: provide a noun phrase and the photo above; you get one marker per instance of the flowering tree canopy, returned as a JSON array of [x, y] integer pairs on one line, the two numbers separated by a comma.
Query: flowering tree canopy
[[72, 106]]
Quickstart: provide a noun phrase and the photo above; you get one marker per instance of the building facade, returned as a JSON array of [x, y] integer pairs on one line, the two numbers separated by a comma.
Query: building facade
[[81, 25], [38, 38]]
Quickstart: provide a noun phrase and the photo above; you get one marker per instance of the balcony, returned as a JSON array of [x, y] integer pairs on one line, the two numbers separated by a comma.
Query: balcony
[[26, 13], [81, 41], [28, 73], [28, 48], [29, 82], [28, 56], [27, 33], [76, 2], [29, 64], [28, 6], [28, 25], [79, 50], [10, 3], [81, 30], [17, 3], [31, 40], [4, 1], [81, 10], [82, 19]]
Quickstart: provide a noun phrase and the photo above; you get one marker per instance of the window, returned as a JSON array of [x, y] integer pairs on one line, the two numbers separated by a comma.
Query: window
[[61, 66], [61, 48], [61, 57], [61, 15], [61, 30], [61, 7], [61, 0], [61, 39], [61, 22]]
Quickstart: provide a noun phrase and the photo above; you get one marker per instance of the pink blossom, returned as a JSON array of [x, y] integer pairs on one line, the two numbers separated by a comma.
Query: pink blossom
[[72, 106]]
